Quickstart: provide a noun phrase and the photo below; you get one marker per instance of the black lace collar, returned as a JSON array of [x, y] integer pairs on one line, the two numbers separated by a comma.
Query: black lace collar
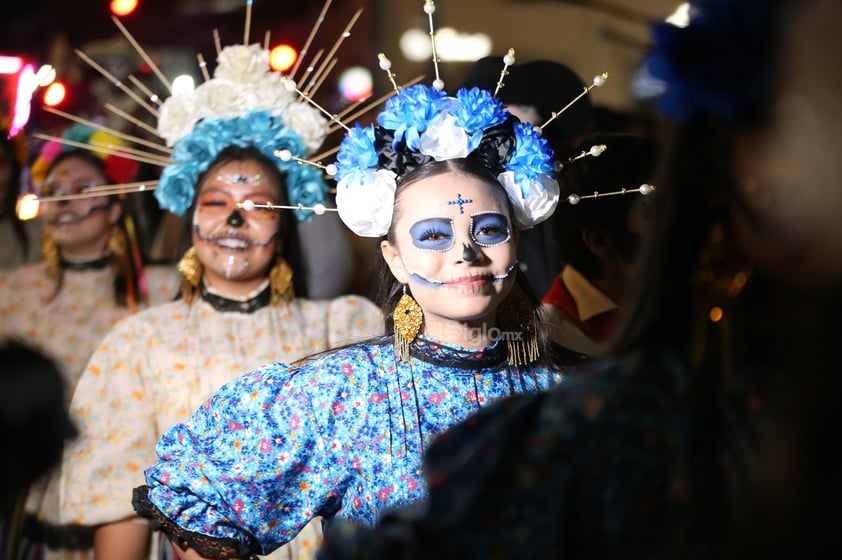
[[443, 354], [95, 264], [261, 299]]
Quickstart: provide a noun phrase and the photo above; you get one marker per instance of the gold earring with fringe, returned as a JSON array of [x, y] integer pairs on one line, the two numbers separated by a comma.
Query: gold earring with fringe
[[407, 318], [517, 319], [190, 269], [280, 280]]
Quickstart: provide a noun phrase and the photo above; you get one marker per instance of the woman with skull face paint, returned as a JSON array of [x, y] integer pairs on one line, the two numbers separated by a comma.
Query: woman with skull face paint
[[65, 306], [341, 435], [243, 304]]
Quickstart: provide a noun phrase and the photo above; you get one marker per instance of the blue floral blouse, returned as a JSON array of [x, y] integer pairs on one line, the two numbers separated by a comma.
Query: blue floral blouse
[[340, 436]]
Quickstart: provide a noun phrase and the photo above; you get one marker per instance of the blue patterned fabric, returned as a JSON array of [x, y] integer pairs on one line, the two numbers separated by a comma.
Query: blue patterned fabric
[[340, 436], [600, 466]]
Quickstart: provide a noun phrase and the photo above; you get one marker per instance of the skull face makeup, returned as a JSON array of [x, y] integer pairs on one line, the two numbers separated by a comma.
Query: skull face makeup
[[236, 247], [81, 228], [458, 260]]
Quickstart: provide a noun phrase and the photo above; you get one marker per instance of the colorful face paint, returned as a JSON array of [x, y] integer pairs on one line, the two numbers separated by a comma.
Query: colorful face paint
[[489, 229], [460, 202], [468, 253], [433, 234], [217, 202]]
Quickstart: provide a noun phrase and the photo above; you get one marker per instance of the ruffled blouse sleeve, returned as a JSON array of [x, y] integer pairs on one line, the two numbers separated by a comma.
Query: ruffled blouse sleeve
[[253, 465]]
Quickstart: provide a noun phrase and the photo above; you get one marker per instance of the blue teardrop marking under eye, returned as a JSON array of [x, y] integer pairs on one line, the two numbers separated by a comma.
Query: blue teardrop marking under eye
[[433, 234], [490, 229]]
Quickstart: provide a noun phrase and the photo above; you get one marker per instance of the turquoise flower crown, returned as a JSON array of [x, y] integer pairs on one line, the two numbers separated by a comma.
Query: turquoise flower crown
[[244, 104], [421, 124], [194, 152]]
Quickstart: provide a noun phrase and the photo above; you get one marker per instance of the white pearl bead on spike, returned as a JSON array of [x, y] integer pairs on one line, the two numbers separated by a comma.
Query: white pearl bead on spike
[[573, 199], [284, 155], [438, 84], [646, 189], [247, 205], [599, 81], [596, 150], [330, 169], [509, 59], [319, 209], [429, 7], [385, 63]]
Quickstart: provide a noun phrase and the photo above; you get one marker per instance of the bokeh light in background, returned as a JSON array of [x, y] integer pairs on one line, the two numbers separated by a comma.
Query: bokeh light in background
[[355, 83], [123, 7], [27, 206], [55, 94], [282, 57], [450, 45]]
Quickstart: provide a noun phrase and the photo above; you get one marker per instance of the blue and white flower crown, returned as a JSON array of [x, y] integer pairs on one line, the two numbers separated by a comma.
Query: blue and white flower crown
[[422, 124], [244, 104]]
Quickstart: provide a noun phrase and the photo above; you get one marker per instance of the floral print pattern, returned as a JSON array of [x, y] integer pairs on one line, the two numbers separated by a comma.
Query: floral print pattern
[[155, 368], [341, 436]]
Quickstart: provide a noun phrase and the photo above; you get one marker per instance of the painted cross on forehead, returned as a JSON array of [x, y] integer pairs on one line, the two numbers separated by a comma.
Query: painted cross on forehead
[[460, 201]]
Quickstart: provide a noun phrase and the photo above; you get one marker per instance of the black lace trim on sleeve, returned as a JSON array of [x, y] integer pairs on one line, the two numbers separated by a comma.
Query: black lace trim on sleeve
[[209, 547]]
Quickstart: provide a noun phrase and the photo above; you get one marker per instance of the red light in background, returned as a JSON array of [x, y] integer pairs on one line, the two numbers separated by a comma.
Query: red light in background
[[55, 94], [123, 7], [282, 57]]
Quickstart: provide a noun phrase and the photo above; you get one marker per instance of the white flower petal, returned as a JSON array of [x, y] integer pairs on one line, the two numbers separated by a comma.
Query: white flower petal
[[366, 207], [444, 139]]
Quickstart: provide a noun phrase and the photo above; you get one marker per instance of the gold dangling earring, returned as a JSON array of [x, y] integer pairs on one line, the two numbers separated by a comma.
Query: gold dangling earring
[[190, 269], [516, 316], [117, 243], [280, 280], [407, 318], [51, 257]]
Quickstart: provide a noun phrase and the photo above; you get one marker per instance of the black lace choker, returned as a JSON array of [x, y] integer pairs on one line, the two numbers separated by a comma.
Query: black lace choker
[[250, 305], [442, 354], [95, 264]]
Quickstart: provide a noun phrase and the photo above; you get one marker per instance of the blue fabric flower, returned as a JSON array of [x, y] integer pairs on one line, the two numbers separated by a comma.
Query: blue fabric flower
[[721, 62], [531, 159], [194, 152], [356, 153], [176, 187], [410, 111], [477, 111]]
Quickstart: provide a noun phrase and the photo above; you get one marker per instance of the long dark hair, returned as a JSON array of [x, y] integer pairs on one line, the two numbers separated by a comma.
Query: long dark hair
[[8, 210], [128, 267], [289, 247]]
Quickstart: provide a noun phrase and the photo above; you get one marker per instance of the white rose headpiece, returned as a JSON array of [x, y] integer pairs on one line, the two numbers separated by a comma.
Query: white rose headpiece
[[244, 104]]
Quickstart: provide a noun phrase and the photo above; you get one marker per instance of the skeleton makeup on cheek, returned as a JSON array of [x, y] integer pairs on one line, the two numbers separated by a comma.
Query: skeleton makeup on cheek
[[66, 216], [422, 280]]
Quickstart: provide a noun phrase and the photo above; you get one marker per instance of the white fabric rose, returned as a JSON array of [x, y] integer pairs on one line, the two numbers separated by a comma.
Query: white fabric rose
[[222, 99], [366, 207], [177, 117], [242, 64], [539, 204], [308, 122], [444, 139], [271, 95]]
